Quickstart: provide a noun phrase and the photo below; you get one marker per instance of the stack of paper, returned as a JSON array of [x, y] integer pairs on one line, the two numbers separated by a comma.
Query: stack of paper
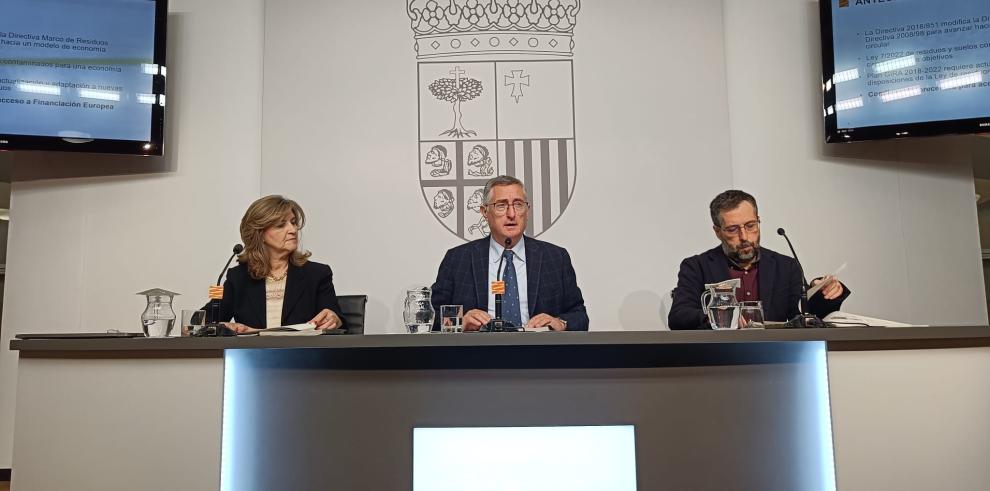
[[293, 330], [845, 319]]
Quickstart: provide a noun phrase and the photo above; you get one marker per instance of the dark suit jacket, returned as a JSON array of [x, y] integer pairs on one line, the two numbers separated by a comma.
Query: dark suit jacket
[[779, 280], [550, 281], [308, 290]]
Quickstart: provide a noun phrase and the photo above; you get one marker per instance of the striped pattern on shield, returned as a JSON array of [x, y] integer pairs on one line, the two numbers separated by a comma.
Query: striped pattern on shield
[[546, 168], [482, 119]]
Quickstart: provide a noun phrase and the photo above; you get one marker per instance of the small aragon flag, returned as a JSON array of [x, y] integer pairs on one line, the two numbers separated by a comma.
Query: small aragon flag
[[216, 292], [498, 288], [843, 3]]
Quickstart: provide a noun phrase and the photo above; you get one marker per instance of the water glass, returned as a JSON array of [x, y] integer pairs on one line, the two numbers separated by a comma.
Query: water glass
[[451, 318], [192, 321], [751, 313]]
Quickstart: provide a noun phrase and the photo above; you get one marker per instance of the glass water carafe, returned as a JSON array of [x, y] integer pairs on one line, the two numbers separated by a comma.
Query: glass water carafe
[[720, 304], [418, 312], [158, 317]]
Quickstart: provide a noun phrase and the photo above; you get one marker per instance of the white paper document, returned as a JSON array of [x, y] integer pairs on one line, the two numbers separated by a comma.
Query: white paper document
[[845, 319], [536, 329], [307, 329], [813, 290]]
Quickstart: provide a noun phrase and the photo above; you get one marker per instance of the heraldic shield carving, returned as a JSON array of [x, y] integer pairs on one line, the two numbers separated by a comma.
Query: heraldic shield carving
[[496, 96]]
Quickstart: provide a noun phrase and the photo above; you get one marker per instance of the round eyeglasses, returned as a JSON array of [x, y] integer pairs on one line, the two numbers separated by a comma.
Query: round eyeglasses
[[500, 207], [749, 227]]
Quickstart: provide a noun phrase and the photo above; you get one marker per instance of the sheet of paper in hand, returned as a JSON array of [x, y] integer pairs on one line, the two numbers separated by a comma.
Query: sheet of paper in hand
[[813, 290]]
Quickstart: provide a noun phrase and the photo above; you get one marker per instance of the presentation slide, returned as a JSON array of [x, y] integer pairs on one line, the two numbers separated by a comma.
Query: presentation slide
[[77, 68], [910, 61], [575, 458]]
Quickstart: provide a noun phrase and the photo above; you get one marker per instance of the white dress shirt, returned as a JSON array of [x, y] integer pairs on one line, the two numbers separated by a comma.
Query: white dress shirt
[[519, 261]]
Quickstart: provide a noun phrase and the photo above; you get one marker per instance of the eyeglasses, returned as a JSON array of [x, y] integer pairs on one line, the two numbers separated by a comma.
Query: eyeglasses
[[500, 207], [749, 227]]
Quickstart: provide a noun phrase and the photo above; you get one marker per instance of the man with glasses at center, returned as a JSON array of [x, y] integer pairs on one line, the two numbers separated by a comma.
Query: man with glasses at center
[[540, 284], [766, 276]]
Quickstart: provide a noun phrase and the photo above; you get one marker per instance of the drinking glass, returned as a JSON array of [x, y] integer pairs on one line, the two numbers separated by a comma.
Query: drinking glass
[[451, 318], [192, 321], [752, 314]]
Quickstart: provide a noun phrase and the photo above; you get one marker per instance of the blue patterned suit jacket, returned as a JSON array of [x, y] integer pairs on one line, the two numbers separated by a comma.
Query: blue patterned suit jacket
[[550, 280]]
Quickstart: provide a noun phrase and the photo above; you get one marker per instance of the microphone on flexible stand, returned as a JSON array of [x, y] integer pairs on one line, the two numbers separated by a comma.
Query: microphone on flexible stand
[[213, 327], [804, 319], [498, 324], [237, 250], [500, 289]]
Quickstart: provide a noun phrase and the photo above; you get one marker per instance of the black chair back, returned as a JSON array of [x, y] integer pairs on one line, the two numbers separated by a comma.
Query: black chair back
[[352, 307]]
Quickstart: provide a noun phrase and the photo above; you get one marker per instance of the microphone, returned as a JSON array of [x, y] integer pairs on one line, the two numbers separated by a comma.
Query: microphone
[[498, 324], [237, 250], [498, 273], [804, 319], [498, 277], [213, 326]]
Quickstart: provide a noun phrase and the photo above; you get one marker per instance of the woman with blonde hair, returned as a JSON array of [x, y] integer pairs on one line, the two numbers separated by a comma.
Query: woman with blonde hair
[[275, 283]]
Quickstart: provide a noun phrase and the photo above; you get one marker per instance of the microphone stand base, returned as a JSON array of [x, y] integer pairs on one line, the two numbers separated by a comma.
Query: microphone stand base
[[805, 320], [213, 330], [500, 325]]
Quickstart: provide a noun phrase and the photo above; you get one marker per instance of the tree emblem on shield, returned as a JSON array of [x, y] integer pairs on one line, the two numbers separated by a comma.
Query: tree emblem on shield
[[496, 96], [455, 91]]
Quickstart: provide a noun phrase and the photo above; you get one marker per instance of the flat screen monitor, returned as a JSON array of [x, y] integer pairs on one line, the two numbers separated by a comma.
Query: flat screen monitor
[[901, 68], [575, 458], [83, 75]]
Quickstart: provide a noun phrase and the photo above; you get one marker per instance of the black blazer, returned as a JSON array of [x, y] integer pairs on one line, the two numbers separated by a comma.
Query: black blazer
[[551, 284], [779, 281], [308, 290]]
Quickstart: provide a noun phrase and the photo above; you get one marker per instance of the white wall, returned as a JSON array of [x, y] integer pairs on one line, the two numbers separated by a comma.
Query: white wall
[[340, 111], [901, 214], [674, 103], [80, 247]]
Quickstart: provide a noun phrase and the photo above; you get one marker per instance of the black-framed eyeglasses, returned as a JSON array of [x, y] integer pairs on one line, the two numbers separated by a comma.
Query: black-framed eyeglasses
[[500, 207], [749, 227]]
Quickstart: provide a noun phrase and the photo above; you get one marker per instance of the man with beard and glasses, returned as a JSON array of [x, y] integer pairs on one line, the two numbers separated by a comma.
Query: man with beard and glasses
[[764, 275]]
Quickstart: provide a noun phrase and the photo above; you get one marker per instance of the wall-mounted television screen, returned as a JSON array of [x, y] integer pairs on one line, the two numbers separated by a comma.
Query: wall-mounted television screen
[[83, 75], [900, 68]]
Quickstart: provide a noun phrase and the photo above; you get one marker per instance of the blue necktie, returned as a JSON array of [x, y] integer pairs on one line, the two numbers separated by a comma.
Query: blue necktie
[[510, 300]]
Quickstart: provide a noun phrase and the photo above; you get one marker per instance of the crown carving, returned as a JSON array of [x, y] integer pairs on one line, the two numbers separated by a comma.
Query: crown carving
[[473, 27]]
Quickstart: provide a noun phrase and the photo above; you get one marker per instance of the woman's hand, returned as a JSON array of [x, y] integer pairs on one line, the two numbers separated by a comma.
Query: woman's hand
[[326, 319], [239, 328]]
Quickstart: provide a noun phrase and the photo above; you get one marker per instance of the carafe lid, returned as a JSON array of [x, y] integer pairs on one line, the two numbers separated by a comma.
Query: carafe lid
[[158, 292], [727, 285]]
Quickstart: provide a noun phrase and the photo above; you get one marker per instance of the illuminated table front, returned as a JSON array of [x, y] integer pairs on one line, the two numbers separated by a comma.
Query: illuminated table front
[[338, 412]]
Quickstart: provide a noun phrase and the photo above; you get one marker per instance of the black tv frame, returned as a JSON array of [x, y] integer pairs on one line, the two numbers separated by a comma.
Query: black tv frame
[[834, 134], [154, 146]]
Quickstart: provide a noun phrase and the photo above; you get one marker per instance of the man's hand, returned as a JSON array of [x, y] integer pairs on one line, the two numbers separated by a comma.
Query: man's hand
[[326, 319], [540, 320], [474, 319], [833, 288]]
